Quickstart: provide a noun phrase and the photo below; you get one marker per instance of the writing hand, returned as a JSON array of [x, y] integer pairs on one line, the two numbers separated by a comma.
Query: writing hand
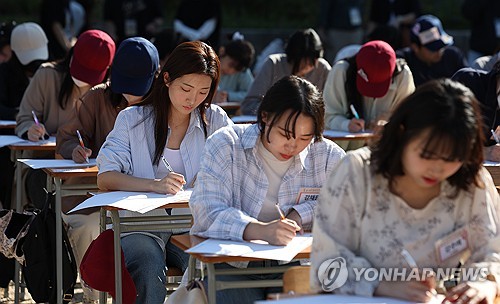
[[36, 132], [170, 184], [356, 125], [80, 154]]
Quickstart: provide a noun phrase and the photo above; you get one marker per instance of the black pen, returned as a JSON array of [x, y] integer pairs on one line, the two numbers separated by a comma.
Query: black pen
[[167, 165]]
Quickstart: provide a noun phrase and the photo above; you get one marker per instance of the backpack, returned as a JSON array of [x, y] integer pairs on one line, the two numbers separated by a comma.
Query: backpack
[[39, 250]]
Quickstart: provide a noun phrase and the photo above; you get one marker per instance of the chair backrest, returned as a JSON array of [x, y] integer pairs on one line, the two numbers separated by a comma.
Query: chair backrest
[[296, 280]]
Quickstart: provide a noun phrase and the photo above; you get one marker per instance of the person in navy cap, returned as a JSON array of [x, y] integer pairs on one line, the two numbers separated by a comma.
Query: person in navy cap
[[431, 53], [135, 66]]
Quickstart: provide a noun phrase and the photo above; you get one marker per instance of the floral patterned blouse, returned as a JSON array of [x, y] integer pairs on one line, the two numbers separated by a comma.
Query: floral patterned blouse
[[359, 219]]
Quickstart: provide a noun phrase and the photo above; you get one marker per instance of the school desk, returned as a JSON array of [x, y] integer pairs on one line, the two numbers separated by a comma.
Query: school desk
[[18, 148], [185, 242], [229, 105], [344, 135], [494, 169], [7, 124], [138, 223], [244, 119], [55, 177]]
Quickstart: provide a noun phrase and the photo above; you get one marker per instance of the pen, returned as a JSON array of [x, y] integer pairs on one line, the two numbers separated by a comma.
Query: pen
[[169, 168], [167, 165], [409, 259], [35, 118], [81, 144], [495, 137], [282, 216], [355, 113], [411, 262], [192, 182], [37, 122]]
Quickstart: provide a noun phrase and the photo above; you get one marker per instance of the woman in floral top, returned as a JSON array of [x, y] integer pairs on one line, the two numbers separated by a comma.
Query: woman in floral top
[[421, 189]]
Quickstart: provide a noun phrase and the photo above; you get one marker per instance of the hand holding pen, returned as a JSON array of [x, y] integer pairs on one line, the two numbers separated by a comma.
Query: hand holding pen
[[292, 216], [430, 281], [172, 183], [37, 131], [356, 124], [80, 153]]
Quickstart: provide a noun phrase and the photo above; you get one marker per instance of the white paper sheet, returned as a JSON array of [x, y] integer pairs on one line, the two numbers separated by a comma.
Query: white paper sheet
[[141, 202], [254, 249], [244, 119], [345, 299], [7, 122], [339, 133], [56, 163], [6, 140], [46, 142], [491, 163]]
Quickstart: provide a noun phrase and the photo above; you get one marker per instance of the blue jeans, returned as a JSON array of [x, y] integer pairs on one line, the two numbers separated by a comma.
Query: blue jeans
[[146, 264], [246, 295]]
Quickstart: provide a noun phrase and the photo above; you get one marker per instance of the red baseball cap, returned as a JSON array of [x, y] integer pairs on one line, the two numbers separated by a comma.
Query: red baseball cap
[[92, 55], [376, 61], [97, 268]]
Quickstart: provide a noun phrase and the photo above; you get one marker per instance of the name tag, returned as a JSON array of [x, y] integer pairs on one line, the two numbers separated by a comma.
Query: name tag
[[452, 244], [307, 195]]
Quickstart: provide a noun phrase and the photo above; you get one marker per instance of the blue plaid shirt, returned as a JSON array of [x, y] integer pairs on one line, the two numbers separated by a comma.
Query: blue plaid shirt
[[231, 184]]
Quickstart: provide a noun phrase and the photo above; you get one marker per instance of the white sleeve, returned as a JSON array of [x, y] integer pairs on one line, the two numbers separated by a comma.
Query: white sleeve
[[185, 31], [337, 225], [207, 28]]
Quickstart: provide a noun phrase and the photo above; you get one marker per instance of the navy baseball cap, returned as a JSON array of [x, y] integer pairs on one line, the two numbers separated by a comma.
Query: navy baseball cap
[[429, 32], [134, 67]]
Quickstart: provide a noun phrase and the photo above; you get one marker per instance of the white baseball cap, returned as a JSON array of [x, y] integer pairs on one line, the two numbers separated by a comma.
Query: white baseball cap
[[29, 42]]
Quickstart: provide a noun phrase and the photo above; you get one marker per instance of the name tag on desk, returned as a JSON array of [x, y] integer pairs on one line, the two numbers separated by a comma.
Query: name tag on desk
[[307, 194], [452, 244]]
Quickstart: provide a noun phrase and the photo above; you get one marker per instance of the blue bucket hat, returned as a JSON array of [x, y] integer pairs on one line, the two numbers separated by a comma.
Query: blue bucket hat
[[429, 32], [134, 67]]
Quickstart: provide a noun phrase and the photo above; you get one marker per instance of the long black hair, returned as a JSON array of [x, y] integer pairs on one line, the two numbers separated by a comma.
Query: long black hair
[[194, 57]]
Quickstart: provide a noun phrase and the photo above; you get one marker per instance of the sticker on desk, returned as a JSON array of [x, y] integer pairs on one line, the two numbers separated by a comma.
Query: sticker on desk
[[307, 194], [452, 244]]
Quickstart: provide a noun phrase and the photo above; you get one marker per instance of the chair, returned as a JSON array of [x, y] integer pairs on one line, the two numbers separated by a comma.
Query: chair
[[296, 280]]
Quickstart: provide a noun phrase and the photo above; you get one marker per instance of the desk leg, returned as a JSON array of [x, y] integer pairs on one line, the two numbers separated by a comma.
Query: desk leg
[[102, 226], [191, 268], [212, 284], [117, 252], [19, 207], [59, 270]]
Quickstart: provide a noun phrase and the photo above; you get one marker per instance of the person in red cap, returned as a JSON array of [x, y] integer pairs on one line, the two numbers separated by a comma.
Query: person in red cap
[[54, 90], [363, 89]]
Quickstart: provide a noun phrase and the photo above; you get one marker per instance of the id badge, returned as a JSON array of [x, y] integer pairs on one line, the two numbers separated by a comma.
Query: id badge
[[452, 244], [307, 195], [355, 16]]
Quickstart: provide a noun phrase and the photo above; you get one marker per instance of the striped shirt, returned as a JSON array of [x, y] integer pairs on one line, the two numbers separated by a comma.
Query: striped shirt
[[232, 183]]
